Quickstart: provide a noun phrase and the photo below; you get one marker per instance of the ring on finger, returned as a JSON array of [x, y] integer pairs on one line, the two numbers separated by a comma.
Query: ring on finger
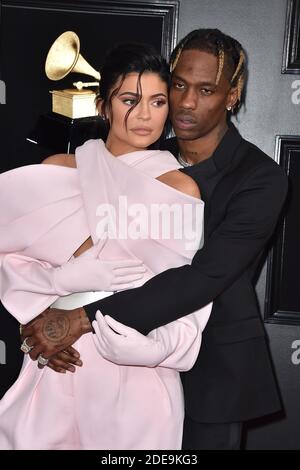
[[42, 360], [25, 346]]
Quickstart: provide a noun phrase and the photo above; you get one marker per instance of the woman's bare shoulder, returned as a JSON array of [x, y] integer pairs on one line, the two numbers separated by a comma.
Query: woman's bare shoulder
[[61, 159], [181, 182]]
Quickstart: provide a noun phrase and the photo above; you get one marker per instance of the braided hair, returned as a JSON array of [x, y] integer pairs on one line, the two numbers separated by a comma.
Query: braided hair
[[229, 52]]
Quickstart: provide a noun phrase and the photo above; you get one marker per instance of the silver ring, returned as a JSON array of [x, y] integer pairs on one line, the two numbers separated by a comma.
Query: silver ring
[[25, 347], [42, 360]]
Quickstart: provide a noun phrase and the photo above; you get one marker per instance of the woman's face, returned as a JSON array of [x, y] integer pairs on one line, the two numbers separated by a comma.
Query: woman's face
[[146, 120]]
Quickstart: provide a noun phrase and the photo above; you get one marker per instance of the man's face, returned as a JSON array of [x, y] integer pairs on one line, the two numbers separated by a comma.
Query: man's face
[[197, 105]]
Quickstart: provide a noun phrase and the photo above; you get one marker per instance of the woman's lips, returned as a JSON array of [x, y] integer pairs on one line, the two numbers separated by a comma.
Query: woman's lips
[[142, 130]]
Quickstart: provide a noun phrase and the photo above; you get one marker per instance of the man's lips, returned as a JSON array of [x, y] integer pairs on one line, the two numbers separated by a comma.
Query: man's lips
[[183, 121]]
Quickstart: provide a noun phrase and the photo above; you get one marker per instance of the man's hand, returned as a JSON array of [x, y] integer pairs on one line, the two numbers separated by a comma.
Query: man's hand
[[54, 330], [65, 360]]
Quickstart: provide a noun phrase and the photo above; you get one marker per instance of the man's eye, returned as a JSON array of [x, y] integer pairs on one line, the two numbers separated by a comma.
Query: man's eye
[[178, 85], [206, 92]]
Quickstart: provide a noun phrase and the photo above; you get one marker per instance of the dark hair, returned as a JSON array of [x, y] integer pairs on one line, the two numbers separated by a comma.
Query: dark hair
[[127, 58], [231, 55]]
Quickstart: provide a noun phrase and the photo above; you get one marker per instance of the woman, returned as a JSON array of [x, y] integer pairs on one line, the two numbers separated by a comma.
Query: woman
[[127, 394]]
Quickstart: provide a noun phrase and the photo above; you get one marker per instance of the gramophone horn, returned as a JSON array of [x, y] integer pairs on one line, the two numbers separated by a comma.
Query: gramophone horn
[[64, 57]]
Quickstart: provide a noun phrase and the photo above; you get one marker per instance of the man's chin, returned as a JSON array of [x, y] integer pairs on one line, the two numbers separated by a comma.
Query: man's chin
[[186, 135]]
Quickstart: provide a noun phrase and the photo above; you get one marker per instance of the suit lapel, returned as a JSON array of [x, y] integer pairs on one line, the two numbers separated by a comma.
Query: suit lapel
[[228, 159], [231, 175]]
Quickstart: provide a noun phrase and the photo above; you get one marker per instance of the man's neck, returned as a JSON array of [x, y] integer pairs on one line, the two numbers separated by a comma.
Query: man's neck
[[196, 151]]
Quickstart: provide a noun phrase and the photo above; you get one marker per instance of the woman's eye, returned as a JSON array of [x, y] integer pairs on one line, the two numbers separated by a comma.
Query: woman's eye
[[159, 103], [129, 101]]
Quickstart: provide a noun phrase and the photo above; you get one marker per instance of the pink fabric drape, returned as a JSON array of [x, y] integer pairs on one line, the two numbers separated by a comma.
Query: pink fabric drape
[[47, 213]]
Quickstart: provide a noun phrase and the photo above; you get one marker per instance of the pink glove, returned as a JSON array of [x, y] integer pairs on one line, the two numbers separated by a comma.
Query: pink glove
[[129, 347], [28, 286], [89, 273], [174, 346], [84, 273]]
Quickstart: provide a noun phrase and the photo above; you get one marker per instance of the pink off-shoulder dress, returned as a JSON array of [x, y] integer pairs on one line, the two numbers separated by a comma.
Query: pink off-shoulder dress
[[47, 212]]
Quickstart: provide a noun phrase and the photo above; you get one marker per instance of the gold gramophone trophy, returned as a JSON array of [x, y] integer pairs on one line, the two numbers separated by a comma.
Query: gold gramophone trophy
[[62, 59]]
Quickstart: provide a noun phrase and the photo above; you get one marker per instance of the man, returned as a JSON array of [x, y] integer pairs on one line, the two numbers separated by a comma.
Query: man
[[244, 191]]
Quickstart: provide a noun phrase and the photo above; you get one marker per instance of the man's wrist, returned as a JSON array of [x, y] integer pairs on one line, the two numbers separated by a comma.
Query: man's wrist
[[86, 325]]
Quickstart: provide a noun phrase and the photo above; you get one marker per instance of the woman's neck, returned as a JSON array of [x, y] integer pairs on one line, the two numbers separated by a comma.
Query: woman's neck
[[117, 148]]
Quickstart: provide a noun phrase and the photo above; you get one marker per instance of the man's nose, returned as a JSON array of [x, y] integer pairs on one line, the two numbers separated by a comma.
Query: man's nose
[[189, 99]]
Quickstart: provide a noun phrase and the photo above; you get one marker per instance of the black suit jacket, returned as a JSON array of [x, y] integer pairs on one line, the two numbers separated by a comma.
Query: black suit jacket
[[232, 379]]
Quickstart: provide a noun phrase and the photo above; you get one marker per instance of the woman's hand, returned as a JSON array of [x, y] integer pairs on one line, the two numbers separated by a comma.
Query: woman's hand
[[54, 330], [123, 345], [89, 273]]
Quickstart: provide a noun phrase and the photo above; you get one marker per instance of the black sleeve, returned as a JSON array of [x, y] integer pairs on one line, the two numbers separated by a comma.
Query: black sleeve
[[250, 221]]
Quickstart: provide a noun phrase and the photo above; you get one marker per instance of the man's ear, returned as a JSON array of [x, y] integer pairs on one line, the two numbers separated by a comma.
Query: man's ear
[[232, 97]]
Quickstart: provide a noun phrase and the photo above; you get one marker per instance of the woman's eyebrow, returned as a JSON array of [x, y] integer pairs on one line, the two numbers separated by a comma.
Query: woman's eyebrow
[[128, 93], [158, 94], [136, 94]]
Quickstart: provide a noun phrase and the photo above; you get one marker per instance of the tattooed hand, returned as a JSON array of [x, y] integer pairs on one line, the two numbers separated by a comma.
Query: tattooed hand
[[65, 360], [54, 330]]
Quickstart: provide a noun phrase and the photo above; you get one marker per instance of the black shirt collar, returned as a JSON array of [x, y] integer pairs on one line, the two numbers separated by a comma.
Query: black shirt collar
[[222, 155]]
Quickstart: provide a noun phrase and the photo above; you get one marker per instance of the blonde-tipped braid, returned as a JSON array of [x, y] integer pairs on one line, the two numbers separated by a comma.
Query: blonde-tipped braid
[[240, 86], [174, 63], [221, 59], [240, 74]]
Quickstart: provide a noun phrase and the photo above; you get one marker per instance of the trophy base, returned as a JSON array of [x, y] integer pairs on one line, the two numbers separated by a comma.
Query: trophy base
[[54, 133], [74, 103]]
